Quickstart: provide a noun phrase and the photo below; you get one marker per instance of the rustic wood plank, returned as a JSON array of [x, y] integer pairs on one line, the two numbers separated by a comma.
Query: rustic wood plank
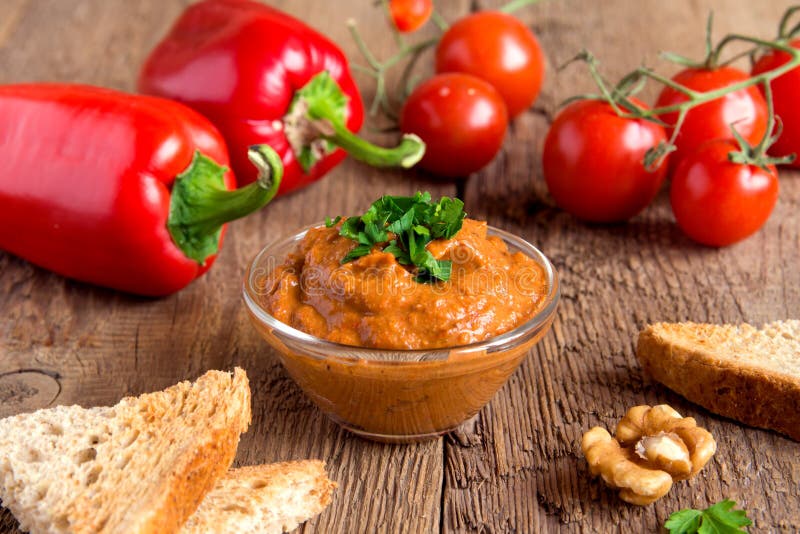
[[9, 18], [91, 346], [520, 469], [517, 467]]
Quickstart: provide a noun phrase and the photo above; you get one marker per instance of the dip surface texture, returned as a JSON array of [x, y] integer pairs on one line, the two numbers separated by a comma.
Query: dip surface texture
[[376, 302]]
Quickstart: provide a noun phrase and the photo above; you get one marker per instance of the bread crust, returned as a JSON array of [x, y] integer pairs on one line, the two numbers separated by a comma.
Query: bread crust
[[189, 485], [277, 497], [752, 395], [182, 441], [194, 475]]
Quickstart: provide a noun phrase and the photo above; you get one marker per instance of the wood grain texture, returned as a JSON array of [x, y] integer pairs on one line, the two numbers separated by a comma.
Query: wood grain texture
[[99, 345], [521, 469], [516, 467]]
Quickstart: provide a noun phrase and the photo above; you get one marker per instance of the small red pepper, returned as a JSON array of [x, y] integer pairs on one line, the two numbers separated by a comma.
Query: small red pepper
[[262, 76], [119, 190]]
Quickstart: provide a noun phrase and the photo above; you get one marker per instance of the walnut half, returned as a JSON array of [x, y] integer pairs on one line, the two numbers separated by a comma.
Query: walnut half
[[653, 447]]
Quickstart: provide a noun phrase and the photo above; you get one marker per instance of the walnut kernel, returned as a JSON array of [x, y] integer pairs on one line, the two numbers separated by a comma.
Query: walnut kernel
[[652, 447]]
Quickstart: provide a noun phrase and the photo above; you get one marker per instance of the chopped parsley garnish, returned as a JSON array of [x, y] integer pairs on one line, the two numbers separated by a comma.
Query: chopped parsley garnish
[[719, 518], [412, 223]]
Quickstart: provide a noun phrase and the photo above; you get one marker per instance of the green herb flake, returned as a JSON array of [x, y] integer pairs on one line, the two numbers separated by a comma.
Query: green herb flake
[[415, 221], [375, 233], [447, 218], [349, 228], [719, 518], [357, 252]]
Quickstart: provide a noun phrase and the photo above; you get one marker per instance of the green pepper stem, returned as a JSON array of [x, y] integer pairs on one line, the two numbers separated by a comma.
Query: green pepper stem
[[201, 204], [406, 154], [315, 125]]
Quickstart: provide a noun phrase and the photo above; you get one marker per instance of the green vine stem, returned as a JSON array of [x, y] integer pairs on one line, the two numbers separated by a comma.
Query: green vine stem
[[710, 59], [439, 20], [713, 54], [697, 98], [757, 155], [378, 69], [619, 99], [783, 32], [516, 5]]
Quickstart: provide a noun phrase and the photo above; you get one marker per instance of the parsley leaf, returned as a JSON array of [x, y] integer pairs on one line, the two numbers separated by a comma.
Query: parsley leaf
[[375, 233], [357, 252], [433, 268], [684, 521], [403, 224], [415, 221], [721, 516], [330, 223], [447, 217], [402, 256], [716, 519], [349, 228]]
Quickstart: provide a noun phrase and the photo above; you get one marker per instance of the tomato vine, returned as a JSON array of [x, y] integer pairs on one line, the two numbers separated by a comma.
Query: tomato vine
[[378, 69], [619, 95]]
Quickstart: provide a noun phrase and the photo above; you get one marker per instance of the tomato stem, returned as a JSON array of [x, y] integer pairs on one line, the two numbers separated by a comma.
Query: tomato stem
[[594, 71], [618, 96], [678, 59], [757, 155], [655, 156], [377, 69], [410, 50], [399, 41], [712, 59], [439, 20], [782, 27], [362, 46], [696, 98], [761, 147], [649, 73], [515, 5]]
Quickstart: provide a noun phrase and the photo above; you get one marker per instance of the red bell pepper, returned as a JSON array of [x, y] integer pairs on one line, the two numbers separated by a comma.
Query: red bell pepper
[[119, 190], [262, 76]]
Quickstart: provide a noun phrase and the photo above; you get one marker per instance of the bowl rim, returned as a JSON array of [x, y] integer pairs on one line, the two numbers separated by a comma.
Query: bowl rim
[[487, 346]]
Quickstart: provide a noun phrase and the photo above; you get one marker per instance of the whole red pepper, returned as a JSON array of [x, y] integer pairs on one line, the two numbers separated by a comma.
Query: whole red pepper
[[262, 76], [119, 190]]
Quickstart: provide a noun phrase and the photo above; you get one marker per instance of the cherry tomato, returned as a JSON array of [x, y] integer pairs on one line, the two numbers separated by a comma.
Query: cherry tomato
[[594, 162], [498, 48], [717, 202], [785, 91], [746, 110], [409, 15], [462, 120]]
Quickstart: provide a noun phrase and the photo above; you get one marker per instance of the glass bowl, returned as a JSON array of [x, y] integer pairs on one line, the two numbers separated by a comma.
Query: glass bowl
[[397, 396]]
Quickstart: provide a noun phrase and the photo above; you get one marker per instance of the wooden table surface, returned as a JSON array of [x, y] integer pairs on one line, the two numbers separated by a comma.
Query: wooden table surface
[[517, 466]]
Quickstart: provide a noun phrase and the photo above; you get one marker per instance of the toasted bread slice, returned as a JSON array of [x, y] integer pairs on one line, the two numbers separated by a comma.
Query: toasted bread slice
[[748, 374], [141, 466], [263, 499]]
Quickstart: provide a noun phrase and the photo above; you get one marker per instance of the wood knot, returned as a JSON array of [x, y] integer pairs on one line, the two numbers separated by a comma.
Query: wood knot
[[26, 390]]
